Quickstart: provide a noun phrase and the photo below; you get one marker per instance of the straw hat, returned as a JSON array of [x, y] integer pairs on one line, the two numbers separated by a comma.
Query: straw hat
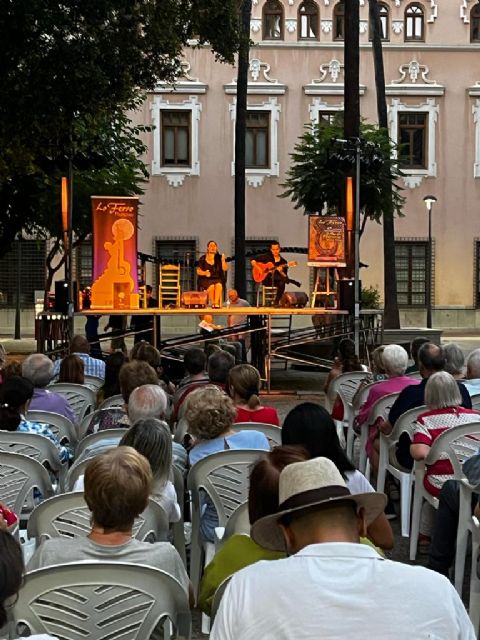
[[308, 484]]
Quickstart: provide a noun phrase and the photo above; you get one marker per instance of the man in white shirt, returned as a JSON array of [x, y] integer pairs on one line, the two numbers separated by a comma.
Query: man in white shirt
[[331, 586]]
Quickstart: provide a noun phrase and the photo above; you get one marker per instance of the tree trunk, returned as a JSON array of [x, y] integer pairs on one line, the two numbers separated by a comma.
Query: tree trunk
[[352, 101], [240, 131], [391, 314]]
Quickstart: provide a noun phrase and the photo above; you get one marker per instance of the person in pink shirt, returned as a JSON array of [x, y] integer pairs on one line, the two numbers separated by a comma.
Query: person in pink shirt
[[395, 360], [244, 389]]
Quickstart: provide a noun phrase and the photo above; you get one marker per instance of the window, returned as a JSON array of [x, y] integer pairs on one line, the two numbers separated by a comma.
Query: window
[[414, 23], [23, 265], [384, 22], [412, 136], [273, 20], [339, 21], [84, 265], [176, 135], [257, 139], [326, 118], [475, 23], [308, 21], [411, 259], [182, 252]]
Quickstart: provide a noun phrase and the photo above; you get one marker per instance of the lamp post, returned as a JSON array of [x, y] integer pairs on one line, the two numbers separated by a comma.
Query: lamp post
[[429, 201]]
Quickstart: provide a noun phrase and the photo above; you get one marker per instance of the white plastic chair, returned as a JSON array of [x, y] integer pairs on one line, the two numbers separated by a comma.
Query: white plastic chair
[[96, 416], [37, 447], [271, 431], [345, 386], [99, 600], [93, 382], [113, 401], [239, 522], [475, 401], [474, 602], [380, 409], [456, 445], [404, 424], [93, 438], [68, 516], [217, 598], [19, 476], [224, 476], [60, 425], [178, 529], [81, 398]]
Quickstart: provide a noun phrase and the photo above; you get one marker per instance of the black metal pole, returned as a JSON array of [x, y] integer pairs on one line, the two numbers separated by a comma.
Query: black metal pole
[[19, 286], [429, 270]]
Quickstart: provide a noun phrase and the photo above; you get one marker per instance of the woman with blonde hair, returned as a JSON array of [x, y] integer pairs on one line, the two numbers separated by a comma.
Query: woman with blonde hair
[[244, 389]]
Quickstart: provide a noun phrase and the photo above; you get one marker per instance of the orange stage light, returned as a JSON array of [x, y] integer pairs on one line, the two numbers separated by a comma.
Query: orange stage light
[[349, 204], [65, 204]]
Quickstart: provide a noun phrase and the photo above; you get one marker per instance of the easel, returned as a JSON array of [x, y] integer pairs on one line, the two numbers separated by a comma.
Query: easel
[[317, 288]]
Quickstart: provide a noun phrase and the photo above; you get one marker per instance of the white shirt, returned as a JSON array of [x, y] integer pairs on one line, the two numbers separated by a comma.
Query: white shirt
[[338, 591]]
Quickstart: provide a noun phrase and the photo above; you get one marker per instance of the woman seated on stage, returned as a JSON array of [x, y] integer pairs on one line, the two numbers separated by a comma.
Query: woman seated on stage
[[244, 388], [211, 271]]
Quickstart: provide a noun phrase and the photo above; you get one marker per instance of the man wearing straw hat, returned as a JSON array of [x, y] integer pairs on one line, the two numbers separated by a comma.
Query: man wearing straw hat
[[331, 586]]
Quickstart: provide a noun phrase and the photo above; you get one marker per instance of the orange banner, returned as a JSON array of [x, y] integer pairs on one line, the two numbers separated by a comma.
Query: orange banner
[[326, 241], [114, 252]]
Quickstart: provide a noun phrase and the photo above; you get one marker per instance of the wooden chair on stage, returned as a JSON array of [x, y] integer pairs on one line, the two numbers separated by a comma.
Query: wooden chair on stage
[[169, 287]]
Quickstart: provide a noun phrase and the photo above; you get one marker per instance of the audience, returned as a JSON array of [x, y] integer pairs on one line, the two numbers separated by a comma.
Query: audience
[[244, 388], [210, 414], [144, 351], [472, 382], [80, 347], [443, 401], [431, 359], [395, 360], [240, 550], [71, 370], [310, 426], [38, 369], [111, 385], [15, 396], [117, 487], [454, 360], [330, 586]]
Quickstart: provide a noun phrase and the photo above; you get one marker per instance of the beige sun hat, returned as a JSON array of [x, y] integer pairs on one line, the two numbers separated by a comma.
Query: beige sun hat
[[308, 484]]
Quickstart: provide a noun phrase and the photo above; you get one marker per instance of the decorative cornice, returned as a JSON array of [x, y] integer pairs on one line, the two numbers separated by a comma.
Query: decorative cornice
[[291, 25], [397, 27], [332, 71], [258, 85], [326, 26], [185, 83], [474, 91], [464, 12], [415, 71], [255, 25]]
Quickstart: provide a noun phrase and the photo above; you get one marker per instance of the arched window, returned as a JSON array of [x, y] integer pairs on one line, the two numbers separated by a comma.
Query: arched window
[[308, 21], [339, 21], [475, 23], [273, 20], [414, 22], [384, 22]]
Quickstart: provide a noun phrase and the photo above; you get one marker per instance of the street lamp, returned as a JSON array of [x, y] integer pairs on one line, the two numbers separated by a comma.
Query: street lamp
[[429, 201]]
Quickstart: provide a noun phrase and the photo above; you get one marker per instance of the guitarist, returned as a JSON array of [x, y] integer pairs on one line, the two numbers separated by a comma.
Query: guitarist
[[277, 277]]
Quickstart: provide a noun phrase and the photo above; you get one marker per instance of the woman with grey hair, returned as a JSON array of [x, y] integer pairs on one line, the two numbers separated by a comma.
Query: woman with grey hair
[[443, 400], [395, 361], [454, 360]]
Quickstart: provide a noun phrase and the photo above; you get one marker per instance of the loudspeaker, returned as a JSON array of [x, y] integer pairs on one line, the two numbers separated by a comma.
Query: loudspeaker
[[61, 297], [346, 290], [297, 299]]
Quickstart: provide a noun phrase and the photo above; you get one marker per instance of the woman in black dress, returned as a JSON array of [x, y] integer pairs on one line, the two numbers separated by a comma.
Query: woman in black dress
[[211, 271]]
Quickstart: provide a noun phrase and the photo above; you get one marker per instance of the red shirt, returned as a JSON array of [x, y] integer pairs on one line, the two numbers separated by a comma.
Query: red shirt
[[266, 415]]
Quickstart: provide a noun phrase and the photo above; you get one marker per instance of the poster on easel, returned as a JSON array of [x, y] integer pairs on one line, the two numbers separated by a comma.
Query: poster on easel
[[115, 283], [326, 241]]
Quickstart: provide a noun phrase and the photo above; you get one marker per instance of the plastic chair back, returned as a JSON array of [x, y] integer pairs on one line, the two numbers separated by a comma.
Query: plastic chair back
[[218, 596], [97, 418], [93, 382], [60, 425], [68, 516], [19, 476], [37, 447], [92, 439], [476, 401], [113, 401], [94, 600], [81, 398]]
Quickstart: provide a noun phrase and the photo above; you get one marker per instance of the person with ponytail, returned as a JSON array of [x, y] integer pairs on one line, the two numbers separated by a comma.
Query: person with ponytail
[[15, 396], [244, 389]]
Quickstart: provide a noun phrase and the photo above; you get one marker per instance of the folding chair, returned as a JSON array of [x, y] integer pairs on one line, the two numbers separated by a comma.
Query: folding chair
[[60, 425], [80, 397], [100, 600]]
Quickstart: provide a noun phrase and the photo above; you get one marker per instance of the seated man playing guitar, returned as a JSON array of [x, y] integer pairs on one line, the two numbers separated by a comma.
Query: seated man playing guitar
[[271, 269]]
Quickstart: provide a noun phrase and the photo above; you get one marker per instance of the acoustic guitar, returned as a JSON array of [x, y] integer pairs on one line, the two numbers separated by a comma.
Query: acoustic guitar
[[262, 269]]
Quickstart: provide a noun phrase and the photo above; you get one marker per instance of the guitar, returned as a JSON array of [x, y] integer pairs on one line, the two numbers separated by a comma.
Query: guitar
[[261, 270]]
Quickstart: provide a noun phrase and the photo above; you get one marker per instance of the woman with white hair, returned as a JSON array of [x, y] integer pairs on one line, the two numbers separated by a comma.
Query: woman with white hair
[[443, 400], [454, 360], [395, 361]]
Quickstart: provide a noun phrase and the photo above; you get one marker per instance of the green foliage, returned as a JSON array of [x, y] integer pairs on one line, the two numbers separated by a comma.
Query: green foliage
[[70, 70], [320, 164], [370, 298]]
